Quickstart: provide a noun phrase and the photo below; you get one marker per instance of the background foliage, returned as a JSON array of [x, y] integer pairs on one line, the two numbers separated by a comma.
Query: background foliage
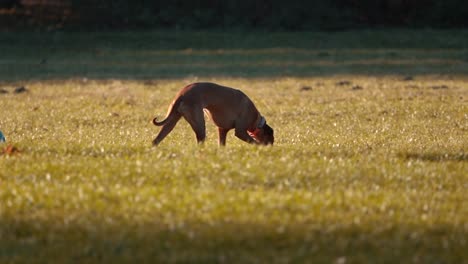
[[233, 14]]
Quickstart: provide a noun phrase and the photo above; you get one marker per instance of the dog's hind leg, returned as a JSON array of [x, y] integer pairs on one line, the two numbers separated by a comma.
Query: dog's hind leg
[[195, 117], [166, 129]]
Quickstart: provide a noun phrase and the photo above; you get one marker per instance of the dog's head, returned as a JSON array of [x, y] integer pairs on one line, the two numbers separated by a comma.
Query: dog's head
[[264, 135]]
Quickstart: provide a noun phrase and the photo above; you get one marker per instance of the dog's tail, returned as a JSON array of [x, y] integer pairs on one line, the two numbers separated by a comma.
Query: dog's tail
[[171, 113], [156, 123]]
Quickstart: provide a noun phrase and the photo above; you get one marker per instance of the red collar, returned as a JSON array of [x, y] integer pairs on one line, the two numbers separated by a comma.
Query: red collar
[[259, 123]]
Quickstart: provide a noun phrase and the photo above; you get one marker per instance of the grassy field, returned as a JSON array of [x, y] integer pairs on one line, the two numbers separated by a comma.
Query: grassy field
[[369, 165]]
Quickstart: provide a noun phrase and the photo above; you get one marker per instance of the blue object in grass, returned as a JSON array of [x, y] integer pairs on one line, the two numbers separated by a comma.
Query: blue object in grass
[[2, 137]]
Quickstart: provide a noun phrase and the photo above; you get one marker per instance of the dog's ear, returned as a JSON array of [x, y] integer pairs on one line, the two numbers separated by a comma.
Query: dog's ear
[[268, 130], [268, 134]]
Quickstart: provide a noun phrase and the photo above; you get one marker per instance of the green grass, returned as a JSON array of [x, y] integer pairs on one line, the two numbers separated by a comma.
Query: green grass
[[169, 55], [374, 171]]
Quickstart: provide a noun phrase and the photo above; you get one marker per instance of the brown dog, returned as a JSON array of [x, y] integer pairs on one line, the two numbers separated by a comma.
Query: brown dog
[[229, 109]]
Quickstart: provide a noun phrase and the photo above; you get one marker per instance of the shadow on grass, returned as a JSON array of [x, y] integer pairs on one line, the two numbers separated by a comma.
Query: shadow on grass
[[156, 55], [228, 242]]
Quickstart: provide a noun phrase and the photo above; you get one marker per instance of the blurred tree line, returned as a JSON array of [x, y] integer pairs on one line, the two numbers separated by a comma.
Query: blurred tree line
[[238, 14]]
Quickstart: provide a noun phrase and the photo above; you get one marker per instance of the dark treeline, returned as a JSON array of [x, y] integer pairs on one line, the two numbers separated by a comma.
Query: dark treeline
[[248, 14]]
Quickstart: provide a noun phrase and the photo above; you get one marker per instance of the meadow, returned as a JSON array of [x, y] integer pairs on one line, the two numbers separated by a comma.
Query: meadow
[[369, 164]]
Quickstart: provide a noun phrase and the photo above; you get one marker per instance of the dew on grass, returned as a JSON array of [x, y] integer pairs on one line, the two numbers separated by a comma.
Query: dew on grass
[[350, 171]]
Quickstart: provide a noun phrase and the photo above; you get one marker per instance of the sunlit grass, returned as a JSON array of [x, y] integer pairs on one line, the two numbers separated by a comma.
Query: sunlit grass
[[369, 163], [365, 169]]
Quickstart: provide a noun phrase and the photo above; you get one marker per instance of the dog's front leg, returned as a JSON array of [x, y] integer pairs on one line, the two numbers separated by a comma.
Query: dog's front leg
[[222, 133]]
